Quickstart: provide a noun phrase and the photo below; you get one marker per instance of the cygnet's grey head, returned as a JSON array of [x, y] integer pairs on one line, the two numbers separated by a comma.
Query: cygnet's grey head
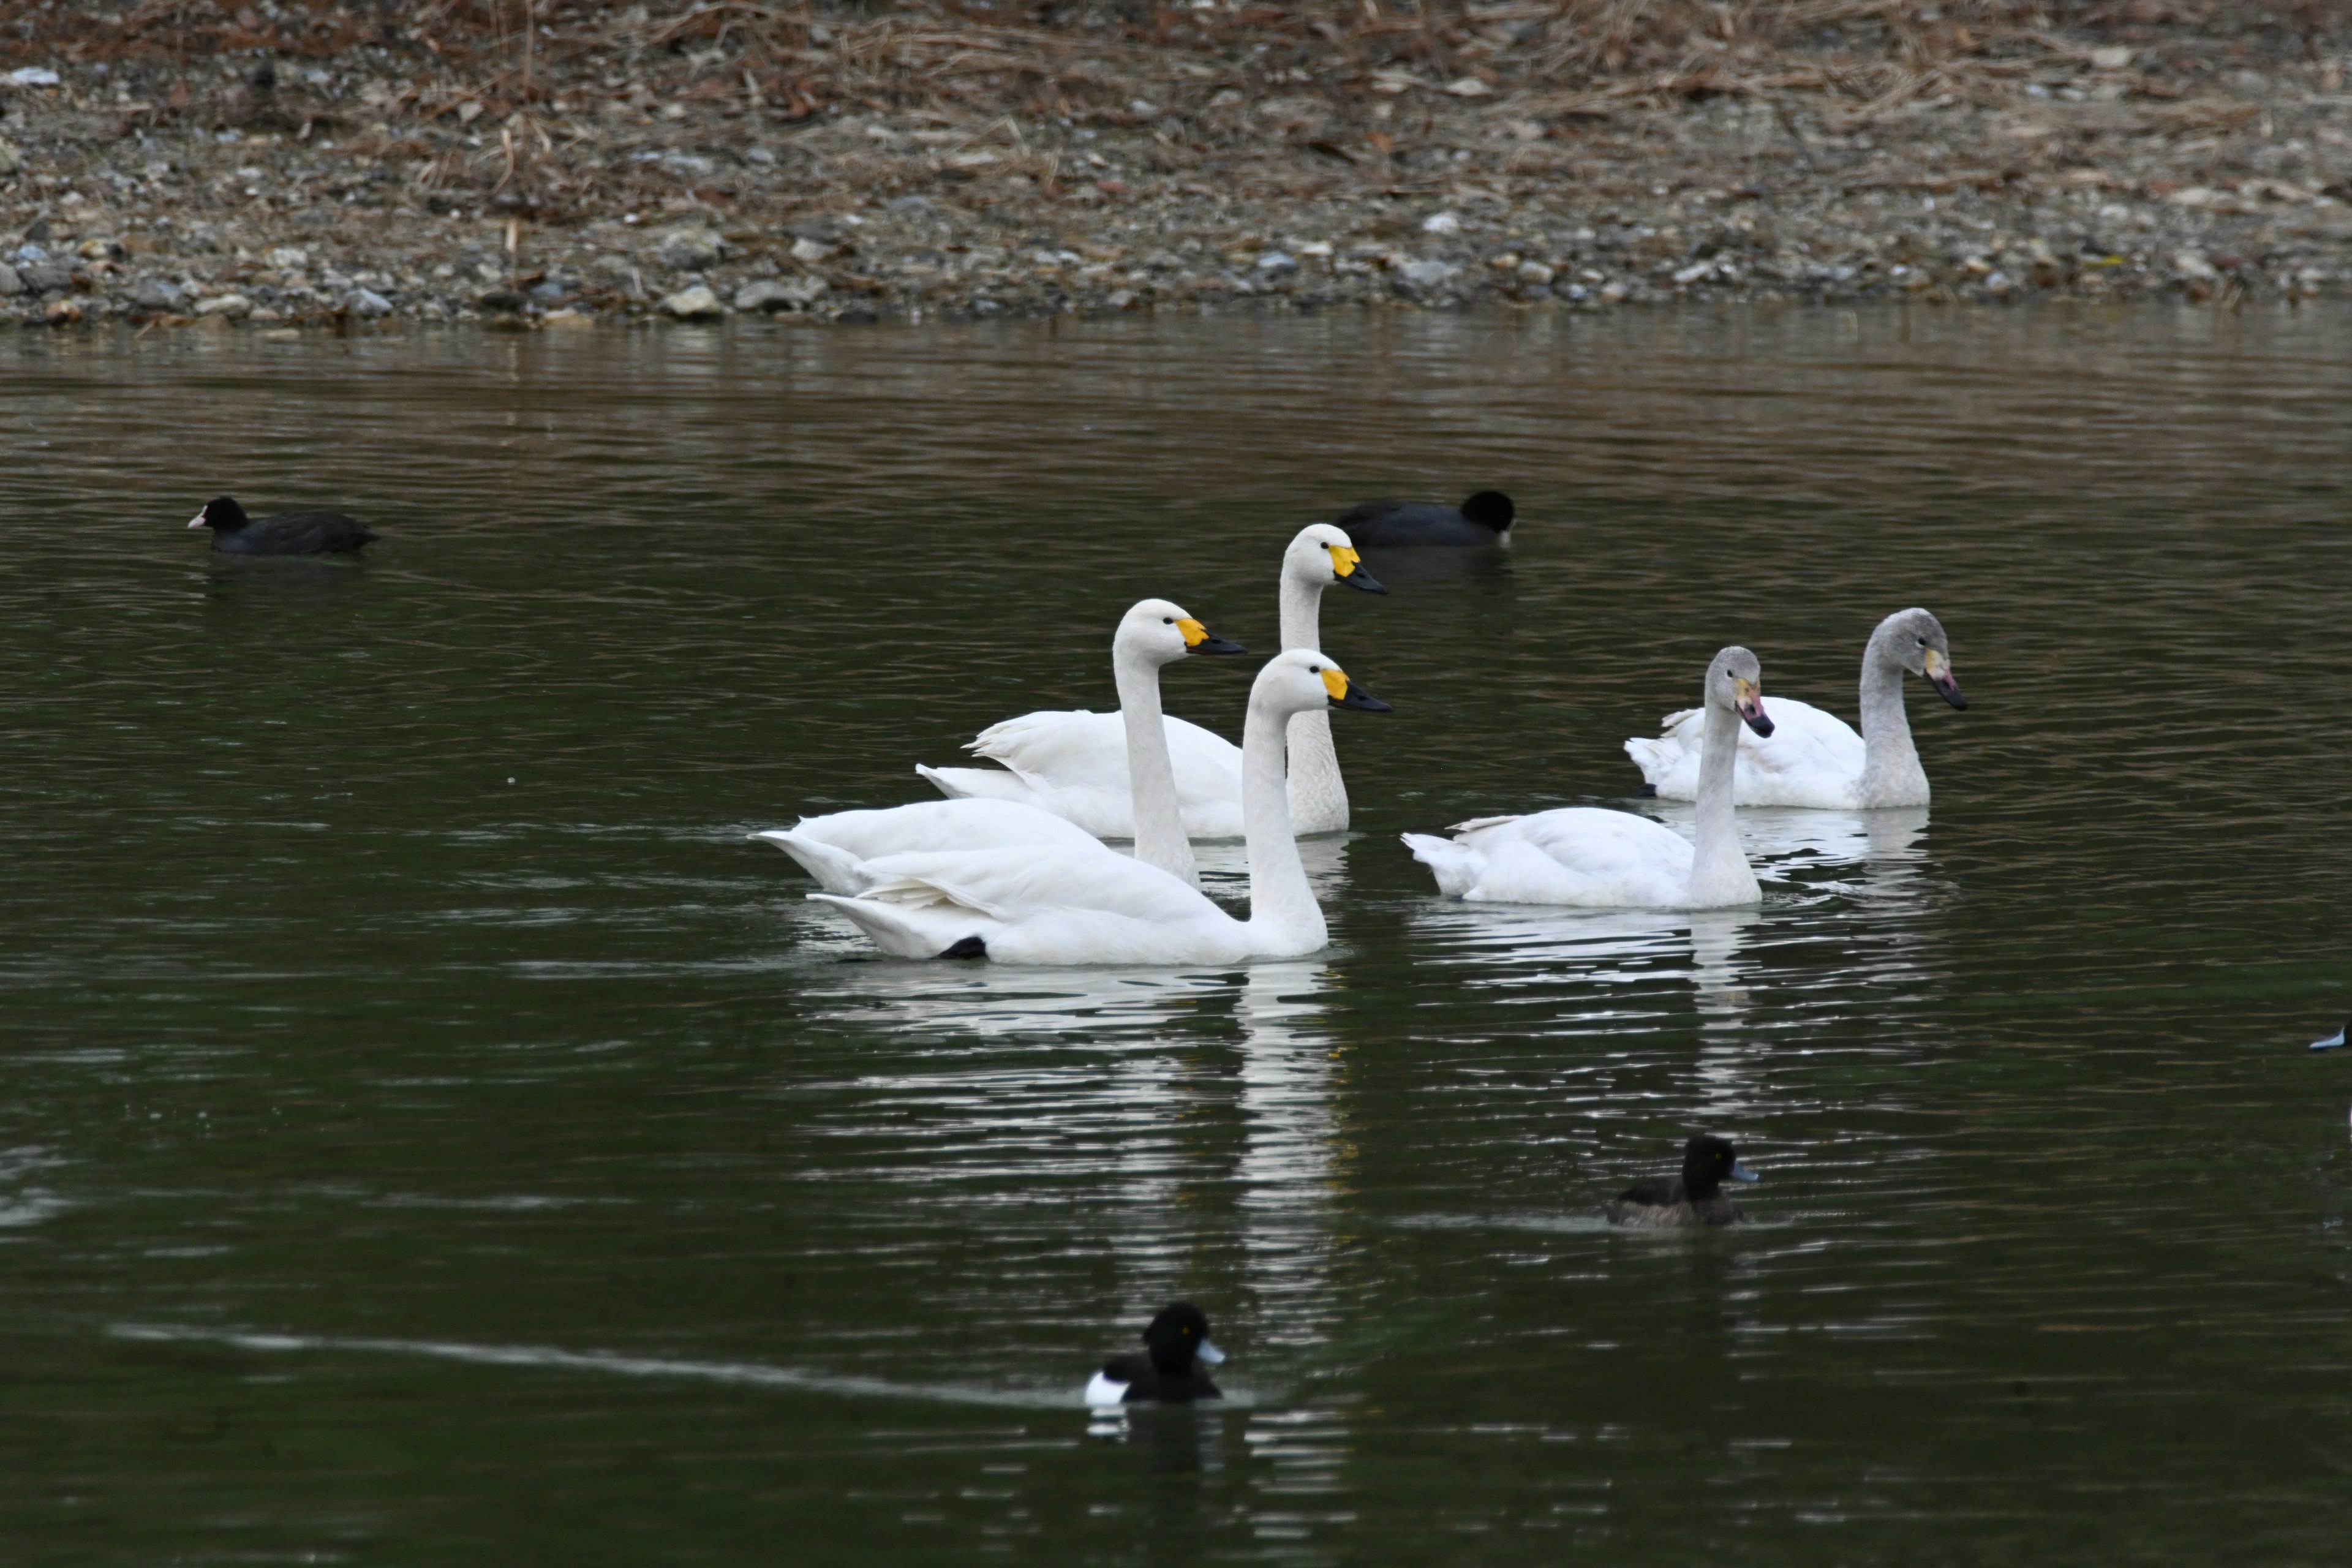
[[1323, 554], [1916, 641], [1162, 633], [1735, 681]]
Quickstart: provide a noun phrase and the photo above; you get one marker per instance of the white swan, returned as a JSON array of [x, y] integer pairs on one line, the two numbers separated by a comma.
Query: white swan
[[1089, 904], [1074, 762], [832, 848], [1812, 758], [1582, 855]]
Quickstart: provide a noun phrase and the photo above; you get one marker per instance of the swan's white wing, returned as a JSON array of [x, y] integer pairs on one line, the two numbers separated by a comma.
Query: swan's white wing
[[835, 847], [1208, 779], [1041, 904], [1811, 758], [1669, 764], [1575, 855], [1073, 763], [929, 824]]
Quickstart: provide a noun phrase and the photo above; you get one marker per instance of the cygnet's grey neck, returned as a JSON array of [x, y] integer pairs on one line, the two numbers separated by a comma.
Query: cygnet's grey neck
[[1159, 837], [1891, 773], [1282, 902], [1719, 870]]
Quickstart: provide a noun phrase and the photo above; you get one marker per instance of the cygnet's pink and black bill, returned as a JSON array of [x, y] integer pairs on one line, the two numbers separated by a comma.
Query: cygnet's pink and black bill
[[1939, 676], [1750, 698], [2331, 1041]]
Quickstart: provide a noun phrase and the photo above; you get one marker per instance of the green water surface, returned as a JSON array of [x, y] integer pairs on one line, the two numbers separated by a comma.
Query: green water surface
[[431, 1133]]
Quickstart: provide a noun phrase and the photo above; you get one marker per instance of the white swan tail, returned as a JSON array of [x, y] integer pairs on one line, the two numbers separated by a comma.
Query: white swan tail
[[833, 868], [905, 931], [1456, 868], [1669, 760], [979, 784]]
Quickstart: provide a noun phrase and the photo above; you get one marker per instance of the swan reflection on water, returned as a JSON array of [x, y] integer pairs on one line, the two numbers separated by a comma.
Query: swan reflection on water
[[1806, 858]]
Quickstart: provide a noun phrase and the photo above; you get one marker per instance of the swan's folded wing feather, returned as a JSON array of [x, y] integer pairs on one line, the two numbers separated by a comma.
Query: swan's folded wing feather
[[1208, 779], [980, 783], [1578, 855], [1011, 884], [1073, 763], [1477, 824], [1071, 748], [1669, 763], [935, 825], [1805, 741]]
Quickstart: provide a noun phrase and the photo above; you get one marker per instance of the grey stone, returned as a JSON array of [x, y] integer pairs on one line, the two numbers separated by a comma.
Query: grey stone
[[42, 277], [1275, 261], [911, 207], [1428, 274], [693, 304], [368, 302], [10, 158], [230, 305], [761, 156], [157, 294], [827, 229], [9, 282], [689, 248], [780, 294]]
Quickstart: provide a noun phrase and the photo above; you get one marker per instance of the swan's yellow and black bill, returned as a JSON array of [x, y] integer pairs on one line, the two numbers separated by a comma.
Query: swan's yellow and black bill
[[1940, 677], [1198, 638], [1750, 697], [1349, 567], [1344, 695]]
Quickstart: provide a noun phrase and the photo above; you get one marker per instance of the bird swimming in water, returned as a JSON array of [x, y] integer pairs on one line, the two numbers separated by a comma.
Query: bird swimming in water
[[1170, 1370], [1484, 518], [1694, 1197], [281, 533]]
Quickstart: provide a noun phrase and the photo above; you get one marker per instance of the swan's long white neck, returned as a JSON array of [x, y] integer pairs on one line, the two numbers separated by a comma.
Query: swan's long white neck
[[1159, 837], [1891, 773], [1284, 920], [1318, 796], [1719, 870]]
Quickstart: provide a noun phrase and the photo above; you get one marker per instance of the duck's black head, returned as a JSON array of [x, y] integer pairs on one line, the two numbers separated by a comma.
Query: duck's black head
[[221, 514], [1490, 509], [1707, 1162], [1178, 1335]]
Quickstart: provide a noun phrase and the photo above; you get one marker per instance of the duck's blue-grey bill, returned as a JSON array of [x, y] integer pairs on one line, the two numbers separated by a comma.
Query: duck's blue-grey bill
[[1211, 1353], [1740, 1173], [2331, 1041]]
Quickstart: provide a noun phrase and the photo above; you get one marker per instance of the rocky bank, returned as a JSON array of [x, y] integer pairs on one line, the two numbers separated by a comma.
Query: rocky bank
[[354, 165]]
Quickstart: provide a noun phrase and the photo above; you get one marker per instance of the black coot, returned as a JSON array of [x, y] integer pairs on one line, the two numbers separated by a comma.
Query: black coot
[[286, 533], [1170, 1370], [1484, 518], [1694, 1197]]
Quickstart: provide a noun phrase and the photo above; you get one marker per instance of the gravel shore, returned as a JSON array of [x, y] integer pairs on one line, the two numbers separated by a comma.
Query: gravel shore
[[345, 166]]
